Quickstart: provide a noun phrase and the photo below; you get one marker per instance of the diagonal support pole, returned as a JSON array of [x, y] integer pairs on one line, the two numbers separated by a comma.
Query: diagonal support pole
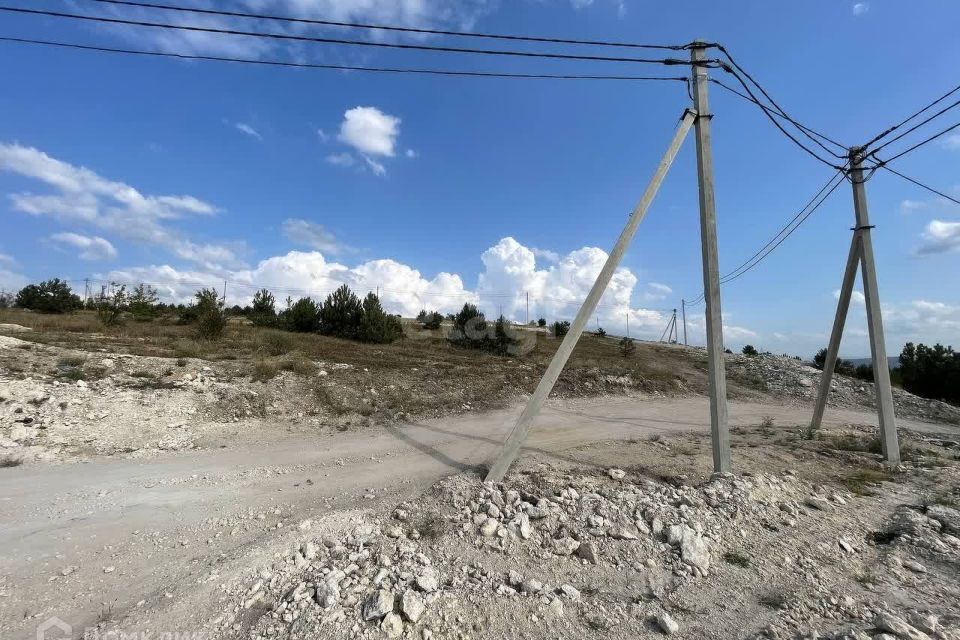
[[517, 437], [833, 349]]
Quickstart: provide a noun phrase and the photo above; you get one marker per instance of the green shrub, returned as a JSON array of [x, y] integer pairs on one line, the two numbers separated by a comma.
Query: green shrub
[[211, 320], [375, 325], [110, 308], [142, 303], [264, 312], [542, 322], [627, 346], [303, 316], [560, 328], [50, 296], [341, 313], [469, 323], [276, 343], [431, 320], [749, 350], [601, 332], [842, 367]]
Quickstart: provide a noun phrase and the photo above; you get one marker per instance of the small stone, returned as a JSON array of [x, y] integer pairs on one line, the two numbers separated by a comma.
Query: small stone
[[309, 550], [412, 606], [489, 528], [327, 595], [394, 532], [525, 529], [570, 591], [622, 533], [565, 546], [428, 581], [587, 551], [667, 624], [531, 586], [109, 569], [818, 503], [898, 627], [392, 625], [914, 566], [378, 605], [617, 474]]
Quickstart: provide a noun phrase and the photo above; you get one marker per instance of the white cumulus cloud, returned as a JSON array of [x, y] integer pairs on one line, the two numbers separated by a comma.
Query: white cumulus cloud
[[940, 237], [248, 130], [90, 247], [370, 131], [80, 196], [313, 235], [860, 8]]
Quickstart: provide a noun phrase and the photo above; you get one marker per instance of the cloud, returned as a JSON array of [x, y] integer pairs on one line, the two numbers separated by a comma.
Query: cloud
[[343, 159], [376, 167], [370, 131], [951, 142], [921, 320], [80, 196], [247, 129], [323, 135], [940, 237], [856, 297], [313, 235], [7, 259], [11, 281], [410, 153], [91, 247], [431, 14], [860, 8], [510, 272]]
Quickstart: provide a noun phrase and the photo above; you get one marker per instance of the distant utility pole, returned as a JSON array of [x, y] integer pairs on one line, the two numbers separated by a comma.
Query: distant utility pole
[[711, 270], [683, 307], [528, 307], [628, 324], [224, 292], [861, 253]]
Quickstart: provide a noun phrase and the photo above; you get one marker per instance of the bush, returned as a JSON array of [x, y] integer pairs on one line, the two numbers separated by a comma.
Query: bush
[[864, 372], [749, 350], [503, 337], [560, 328], [210, 318], [469, 323], [542, 322], [601, 332], [50, 296], [842, 367], [303, 316], [627, 346], [375, 325], [6, 300], [341, 313], [276, 343], [143, 303], [110, 308], [264, 312], [430, 319]]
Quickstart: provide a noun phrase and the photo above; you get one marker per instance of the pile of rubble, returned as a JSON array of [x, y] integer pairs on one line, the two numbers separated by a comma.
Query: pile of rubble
[[556, 555], [794, 379]]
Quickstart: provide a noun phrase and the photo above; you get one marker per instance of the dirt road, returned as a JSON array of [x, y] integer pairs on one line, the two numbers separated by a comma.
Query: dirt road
[[154, 540]]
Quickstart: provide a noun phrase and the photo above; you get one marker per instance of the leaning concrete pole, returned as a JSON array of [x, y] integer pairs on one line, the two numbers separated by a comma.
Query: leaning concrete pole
[[833, 349], [878, 349], [711, 270], [511, 448]]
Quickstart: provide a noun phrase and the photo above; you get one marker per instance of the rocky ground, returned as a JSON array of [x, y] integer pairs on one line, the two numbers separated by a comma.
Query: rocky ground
[[807, 542]]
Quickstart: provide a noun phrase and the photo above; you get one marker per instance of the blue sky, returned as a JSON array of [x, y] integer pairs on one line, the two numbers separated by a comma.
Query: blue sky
[[441, 190]]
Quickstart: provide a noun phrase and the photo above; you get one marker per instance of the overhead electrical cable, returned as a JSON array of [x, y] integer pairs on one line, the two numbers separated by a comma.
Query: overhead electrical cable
[[736, 70], [890, 130], [789, 229], [383, 27], [341, 41], [340, 67], [881, 163], [920, 184], [915, 127]]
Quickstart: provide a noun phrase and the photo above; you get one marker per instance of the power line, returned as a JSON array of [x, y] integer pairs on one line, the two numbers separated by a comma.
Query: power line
[[736, 70], [382, 27], [362, 43], [305, 65], [775, 112], [920, 184], [915, 127], [890, 130], [783, 234], [882, 163]]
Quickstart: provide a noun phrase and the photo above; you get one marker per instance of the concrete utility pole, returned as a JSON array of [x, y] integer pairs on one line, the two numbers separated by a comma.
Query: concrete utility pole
[[861, 250], [511, 448], [528, 307], [683, 308], [628, 324], [711, 271]]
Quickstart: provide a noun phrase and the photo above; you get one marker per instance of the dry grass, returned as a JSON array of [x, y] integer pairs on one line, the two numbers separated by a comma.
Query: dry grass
[[863, 481]]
